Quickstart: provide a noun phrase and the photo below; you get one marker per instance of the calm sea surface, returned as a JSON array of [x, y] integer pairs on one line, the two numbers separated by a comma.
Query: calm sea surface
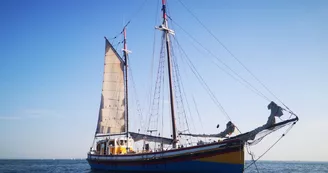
[[54, 166]]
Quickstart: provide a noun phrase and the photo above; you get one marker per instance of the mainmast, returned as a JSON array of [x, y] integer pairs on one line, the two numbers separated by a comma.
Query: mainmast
[[167, 32], [126, 52]]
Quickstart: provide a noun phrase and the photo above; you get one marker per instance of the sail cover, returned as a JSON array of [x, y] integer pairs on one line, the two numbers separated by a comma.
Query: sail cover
[[111, 118]]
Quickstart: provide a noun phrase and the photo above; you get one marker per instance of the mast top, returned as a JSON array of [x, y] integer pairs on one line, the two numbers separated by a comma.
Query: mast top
[[164, 26], [164, 9], [125, 49]]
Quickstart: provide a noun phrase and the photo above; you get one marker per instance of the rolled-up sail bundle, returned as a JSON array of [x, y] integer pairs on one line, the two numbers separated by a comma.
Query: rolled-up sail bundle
[[276, 111], [230, 128]]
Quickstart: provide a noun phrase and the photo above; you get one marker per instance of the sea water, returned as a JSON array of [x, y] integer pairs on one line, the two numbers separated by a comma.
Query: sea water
[[70, 166]]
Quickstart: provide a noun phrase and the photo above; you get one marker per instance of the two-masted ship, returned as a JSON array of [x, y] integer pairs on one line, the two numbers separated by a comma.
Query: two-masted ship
[[113, 147]]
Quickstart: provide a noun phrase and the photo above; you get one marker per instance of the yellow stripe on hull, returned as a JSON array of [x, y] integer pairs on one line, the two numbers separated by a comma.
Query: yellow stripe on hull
[[236, 157]]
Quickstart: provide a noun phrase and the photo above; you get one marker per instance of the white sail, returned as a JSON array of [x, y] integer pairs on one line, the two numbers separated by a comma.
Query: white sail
[[111, 118]]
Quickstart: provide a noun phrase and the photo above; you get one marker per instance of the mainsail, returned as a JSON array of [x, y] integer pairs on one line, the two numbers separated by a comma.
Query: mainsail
[[111, 118]]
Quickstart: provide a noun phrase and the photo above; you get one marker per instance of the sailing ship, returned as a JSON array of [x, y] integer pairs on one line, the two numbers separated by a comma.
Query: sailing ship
[[113, 146]]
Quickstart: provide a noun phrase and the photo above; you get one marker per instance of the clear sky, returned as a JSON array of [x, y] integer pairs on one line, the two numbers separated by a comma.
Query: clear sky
[[52, 62]]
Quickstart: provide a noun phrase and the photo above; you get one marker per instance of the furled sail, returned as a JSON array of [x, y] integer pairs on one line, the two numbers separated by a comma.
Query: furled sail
[[270, 125], [111, 118], [256, 135], [138, 136], [230, 128]]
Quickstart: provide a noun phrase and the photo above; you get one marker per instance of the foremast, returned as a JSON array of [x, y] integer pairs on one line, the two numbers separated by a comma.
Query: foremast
[[167, 32], [125, 54]]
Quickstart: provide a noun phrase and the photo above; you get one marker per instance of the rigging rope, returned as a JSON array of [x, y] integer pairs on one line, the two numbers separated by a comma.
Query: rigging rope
[[283, 135], [149, 94], [129, 21], [135, 14], [136, 96], [163, 80], [226, 48], [184, 93], [200, 119], [240, 80], [181, 90], [252, 155], [157, 90], [162, 132], [201, 80], [178, 81], [154, 48], [176, 68]]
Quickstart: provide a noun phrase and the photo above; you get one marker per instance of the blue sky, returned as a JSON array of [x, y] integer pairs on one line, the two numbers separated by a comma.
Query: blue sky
[[52, 62]]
